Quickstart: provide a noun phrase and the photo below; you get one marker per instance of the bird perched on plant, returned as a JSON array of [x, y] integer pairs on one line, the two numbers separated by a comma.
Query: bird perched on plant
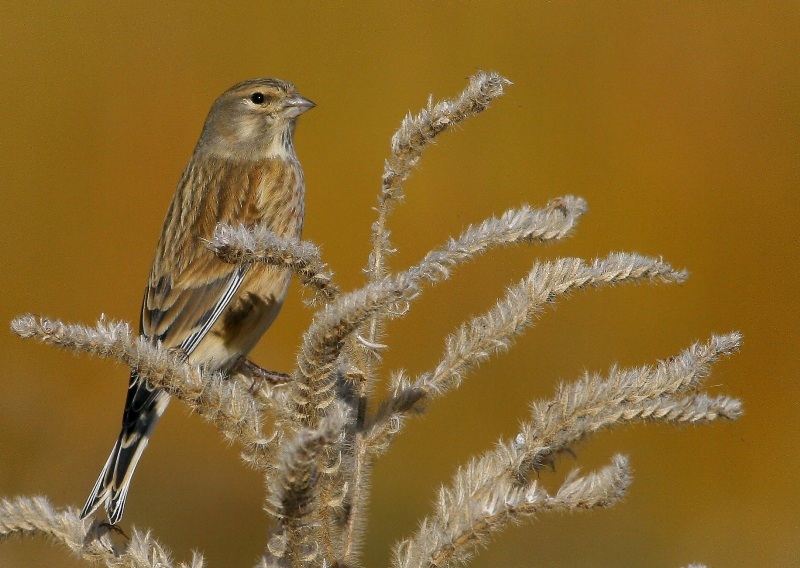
[[243, 171]]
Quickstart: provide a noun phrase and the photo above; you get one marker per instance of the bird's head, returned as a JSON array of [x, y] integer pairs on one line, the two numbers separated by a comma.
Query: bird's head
[[254, 120]]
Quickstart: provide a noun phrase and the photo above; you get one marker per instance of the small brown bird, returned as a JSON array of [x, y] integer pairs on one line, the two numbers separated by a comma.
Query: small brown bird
[[244, 171]]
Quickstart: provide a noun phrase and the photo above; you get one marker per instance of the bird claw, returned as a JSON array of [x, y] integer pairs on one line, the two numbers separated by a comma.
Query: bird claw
[[259, 375]]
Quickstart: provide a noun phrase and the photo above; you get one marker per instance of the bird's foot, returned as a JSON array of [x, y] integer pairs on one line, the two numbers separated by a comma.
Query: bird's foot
[[258, 374]]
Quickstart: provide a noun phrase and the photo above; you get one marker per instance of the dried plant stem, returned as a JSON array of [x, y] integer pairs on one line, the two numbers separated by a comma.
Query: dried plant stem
[[415, 134], [223, 403], [644, 393], [326, 337], [491, 490], [356, 521], [324, 341], [25, 516], [555, 221], [314, 382], [260, 244], [494, 331], [294, 488], [89, 541], [547, 281], [408, 143], [453, 535]]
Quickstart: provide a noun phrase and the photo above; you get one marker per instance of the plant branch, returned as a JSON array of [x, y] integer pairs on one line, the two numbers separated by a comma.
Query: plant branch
[[241, 245], [223, 403]]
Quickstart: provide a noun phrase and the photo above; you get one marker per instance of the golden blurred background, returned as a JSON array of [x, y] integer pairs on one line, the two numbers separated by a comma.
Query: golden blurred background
[[678, 122]]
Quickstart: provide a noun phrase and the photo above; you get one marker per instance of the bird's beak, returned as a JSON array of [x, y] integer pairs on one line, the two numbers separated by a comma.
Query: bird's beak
[[296, 105]]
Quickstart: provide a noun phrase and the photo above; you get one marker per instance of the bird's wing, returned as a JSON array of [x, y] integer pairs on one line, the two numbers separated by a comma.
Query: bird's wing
[[180, 309]]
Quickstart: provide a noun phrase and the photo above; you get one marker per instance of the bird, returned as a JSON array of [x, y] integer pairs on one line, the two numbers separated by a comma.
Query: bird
[[243, 171]]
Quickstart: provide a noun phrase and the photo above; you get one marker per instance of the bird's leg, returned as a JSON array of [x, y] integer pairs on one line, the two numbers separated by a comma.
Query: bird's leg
[[259, 375], [106, 527]]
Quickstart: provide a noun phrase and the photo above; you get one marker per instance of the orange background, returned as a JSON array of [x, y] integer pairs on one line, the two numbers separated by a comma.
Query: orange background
[[678, 122]]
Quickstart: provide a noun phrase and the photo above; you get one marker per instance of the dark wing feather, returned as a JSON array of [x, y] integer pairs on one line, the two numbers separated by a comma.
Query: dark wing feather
[[181, 313]]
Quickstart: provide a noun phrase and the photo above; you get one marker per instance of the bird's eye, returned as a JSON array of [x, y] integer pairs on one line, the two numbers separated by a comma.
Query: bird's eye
[[258, 98]]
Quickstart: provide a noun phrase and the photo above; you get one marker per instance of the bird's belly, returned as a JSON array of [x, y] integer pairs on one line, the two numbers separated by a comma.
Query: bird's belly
[[245, 320]]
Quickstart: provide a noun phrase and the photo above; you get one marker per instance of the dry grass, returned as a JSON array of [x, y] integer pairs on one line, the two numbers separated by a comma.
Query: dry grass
[[323, 441]]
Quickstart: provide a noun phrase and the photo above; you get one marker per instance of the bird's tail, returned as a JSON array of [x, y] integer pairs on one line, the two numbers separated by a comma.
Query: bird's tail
[[142, 410]]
